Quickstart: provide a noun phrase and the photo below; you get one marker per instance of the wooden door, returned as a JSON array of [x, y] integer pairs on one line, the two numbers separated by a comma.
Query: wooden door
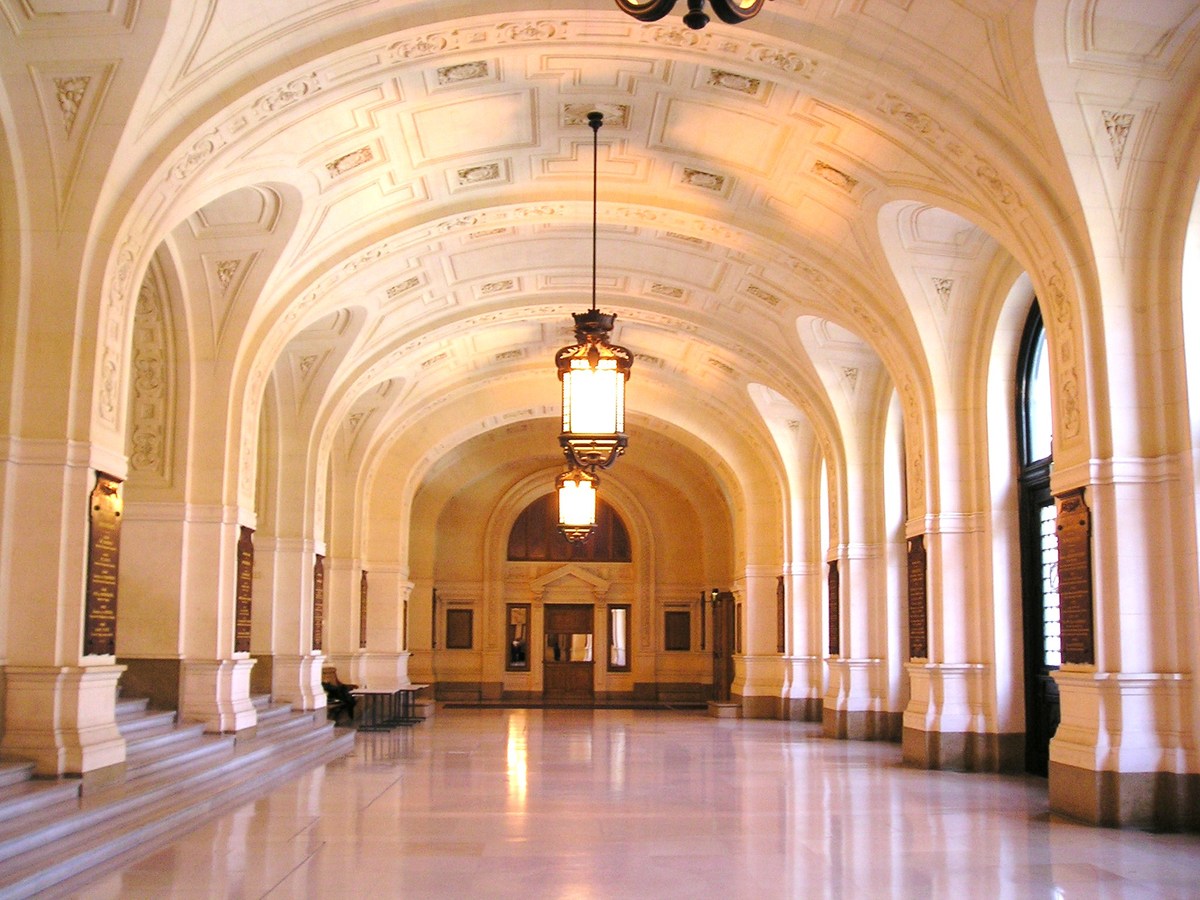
[[723, 645], [568, 661], [1039, 564]]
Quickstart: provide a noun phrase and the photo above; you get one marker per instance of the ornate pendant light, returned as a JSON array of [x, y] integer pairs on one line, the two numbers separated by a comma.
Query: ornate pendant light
[[576, 504], [593, 372], [729, 11]]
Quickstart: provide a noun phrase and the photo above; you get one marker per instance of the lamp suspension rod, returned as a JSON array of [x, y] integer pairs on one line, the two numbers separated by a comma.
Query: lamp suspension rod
[[595, 120]]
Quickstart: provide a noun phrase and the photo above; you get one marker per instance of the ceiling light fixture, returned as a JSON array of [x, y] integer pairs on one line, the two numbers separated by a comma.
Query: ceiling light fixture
[[593, 373], [731, 12], [576, 504]]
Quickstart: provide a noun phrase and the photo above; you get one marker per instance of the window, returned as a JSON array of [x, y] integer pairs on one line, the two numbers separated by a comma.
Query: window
[[618, 639], [1039, 543], [1033, 390], [516, 639], [459, 627], [677, 629], [535, 536]]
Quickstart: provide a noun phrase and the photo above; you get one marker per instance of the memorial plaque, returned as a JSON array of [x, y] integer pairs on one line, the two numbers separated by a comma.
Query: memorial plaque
[[918, 638], [780, 616], [318, 622], [362, 612], [1074, 525], [245, 590], [104, 552], [835, 624]]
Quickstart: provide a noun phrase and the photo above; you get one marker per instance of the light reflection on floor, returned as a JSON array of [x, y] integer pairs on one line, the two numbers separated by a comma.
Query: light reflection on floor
[[634, 804]]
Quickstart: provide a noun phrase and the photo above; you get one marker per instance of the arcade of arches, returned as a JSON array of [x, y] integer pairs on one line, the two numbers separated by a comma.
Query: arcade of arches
[[911, 291]]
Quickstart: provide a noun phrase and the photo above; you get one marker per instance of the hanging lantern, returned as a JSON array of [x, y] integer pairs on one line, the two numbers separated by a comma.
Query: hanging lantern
[[576, 504], [593, 372]]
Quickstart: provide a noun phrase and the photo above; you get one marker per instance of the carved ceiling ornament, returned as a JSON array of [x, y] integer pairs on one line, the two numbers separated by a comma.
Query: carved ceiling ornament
[[1117, 125], [214, 140], [151, 407], [943, 286], [69, 93]]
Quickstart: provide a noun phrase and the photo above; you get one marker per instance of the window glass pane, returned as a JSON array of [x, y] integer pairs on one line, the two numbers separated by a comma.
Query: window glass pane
[[1038, 402], [618, 637], [518, 637], [1051, 633]]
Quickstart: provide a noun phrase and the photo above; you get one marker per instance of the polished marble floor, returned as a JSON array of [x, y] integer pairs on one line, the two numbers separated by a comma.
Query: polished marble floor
[[641, 804]]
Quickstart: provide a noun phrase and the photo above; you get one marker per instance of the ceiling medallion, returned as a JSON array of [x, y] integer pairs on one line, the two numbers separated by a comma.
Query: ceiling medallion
[[730, 12]]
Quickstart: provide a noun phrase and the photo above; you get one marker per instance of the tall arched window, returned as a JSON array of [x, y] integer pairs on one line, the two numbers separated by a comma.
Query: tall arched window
[[1039, 543]]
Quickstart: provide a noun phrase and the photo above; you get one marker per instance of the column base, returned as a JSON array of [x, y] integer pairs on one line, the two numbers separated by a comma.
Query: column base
[[383, 670], [63, 718], [861, 725], [964, 751], [804, 699], [217, 693], [946, 725], [297, 680], [1121, 756], [1158, 801], [854, 706]]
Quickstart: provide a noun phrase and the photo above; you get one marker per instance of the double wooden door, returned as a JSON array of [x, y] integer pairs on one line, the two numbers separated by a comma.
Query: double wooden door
[[568, 663]]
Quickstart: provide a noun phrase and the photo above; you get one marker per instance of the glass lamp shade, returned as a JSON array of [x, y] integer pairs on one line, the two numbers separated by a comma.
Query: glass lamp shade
[[576, 504], [593, 374]]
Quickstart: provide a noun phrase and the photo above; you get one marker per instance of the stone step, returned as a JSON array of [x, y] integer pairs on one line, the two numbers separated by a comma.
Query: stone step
[[131, 706], [14, 771], [115, 825], [167, 756], [35, 795], [292, 723], [134, 727]]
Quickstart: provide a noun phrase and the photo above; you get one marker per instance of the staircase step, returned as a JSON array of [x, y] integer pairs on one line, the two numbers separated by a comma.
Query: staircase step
[[294, 722], [14, 771], [35, 795], [170, 756], [109, 834], [131, 706], [138, 745], [134, 727]]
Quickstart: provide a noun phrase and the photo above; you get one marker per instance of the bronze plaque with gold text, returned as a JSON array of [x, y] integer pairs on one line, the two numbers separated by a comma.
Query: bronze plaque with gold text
[[362, 611], [918, 639], [104, 554], [1074, 525], [835, 624], [318, 602], [245, 590]]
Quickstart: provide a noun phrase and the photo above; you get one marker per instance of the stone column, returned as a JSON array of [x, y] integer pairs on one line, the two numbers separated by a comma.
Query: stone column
[[215, 679], [59, 708], [296, 669], [760, 678], [386, 661]]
